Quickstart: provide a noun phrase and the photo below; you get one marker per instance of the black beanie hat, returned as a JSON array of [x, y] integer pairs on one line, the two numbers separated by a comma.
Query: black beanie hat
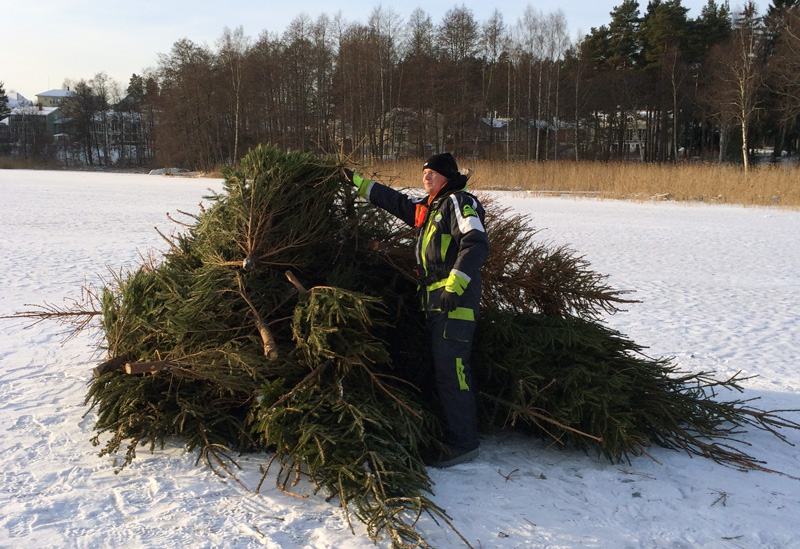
[[443, 163]]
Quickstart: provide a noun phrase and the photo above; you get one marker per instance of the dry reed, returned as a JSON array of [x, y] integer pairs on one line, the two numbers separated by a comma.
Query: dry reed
[[775, 185], [30, 163], [768, 185]]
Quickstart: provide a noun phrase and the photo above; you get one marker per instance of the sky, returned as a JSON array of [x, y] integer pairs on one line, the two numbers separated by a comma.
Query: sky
[[51, 41]]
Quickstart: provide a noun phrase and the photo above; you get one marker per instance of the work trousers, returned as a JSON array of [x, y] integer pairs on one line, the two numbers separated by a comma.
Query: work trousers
[[454, 382]]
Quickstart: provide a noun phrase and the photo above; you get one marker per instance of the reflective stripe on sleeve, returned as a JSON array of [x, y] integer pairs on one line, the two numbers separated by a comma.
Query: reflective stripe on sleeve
[[466, 223]]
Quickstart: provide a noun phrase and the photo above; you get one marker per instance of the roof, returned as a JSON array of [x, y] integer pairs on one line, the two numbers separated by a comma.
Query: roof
[[55, 93], [31, 110], [495, 122], [17, 100]]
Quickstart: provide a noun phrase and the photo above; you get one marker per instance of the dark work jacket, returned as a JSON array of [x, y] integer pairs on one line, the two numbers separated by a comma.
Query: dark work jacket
[[450, 238]]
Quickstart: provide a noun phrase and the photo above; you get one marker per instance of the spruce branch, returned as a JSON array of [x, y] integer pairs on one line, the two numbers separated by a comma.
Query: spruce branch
[[169, 240], [182, 224], [527, 276], [270, 347], [215, 455], [296, 283], [77, 315]]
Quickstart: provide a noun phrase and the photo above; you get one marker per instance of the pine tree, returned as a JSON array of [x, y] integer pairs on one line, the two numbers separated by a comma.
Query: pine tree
[[624, 37], [5, 110]]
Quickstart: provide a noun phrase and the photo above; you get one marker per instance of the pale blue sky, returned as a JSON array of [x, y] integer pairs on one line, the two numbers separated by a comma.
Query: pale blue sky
[[47, 41]]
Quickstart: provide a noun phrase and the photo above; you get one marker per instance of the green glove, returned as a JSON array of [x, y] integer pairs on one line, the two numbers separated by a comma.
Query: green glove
[[355, 179]]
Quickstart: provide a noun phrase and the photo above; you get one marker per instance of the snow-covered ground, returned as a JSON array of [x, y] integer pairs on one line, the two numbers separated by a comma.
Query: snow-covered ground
[[720, 290]]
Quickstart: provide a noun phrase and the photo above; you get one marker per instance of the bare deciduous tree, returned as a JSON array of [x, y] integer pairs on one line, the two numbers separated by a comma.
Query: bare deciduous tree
[[458, 39], [233, 48], [784, 69], [736, 69], [388, 88]]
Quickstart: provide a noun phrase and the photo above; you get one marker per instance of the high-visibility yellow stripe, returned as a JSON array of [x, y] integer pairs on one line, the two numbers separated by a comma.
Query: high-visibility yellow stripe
[[462, 313], [446, 238], [462, 379], [426, 240], [436, 285], [457, 283]]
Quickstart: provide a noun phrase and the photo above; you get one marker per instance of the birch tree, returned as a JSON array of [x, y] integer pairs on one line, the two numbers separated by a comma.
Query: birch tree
[[494, 43], [737, 67], [234, 47], [532, 41], [557, 44]]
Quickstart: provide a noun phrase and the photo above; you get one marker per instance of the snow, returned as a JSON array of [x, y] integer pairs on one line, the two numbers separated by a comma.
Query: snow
[[56, 93], [173, 171], [17, 100], [720, 290]]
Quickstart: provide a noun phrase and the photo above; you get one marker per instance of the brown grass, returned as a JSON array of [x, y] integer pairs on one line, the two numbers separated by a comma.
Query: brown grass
[[775, 185], [13, 163], [767, 185]]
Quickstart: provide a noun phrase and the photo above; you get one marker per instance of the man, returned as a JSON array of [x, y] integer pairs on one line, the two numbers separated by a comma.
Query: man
[[451, 247]]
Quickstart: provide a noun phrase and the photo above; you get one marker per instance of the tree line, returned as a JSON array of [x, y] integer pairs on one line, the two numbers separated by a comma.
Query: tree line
[[653, 85]]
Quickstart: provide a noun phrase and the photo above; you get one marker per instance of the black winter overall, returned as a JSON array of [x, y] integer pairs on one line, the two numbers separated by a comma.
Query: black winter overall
[[451, 241]]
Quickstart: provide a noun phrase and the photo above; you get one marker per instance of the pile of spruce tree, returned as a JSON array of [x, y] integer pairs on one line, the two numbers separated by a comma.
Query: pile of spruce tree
[[284, 319]]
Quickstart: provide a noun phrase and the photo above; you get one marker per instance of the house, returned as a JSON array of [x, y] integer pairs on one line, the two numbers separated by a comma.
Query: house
[[30, 116], [30, 128], [53, 98], [499, 136]]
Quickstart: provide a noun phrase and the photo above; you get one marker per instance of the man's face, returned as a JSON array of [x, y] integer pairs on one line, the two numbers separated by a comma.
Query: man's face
[[433, 181]]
